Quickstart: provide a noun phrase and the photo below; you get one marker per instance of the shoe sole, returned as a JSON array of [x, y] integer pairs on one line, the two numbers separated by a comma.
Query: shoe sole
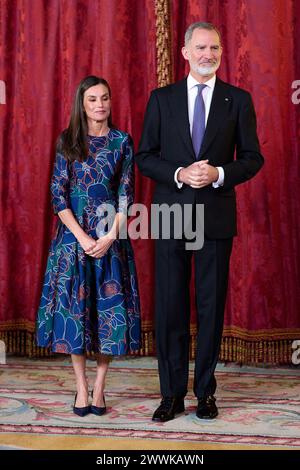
[[207, 417]]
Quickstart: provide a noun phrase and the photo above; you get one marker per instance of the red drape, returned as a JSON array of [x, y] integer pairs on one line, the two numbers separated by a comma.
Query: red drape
[[46, 47]]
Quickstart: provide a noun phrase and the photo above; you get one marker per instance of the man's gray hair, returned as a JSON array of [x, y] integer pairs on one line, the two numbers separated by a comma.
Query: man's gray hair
[[199, 25]]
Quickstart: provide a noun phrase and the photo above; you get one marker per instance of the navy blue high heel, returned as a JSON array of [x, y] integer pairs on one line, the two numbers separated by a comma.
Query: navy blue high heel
[[98, 410], [80, 411]]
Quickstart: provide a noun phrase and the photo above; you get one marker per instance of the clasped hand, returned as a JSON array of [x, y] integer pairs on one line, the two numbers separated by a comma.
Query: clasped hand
[[96, 248], [198, 175]]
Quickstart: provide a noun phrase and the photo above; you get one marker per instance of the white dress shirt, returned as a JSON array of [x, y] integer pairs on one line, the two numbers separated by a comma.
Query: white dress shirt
[[207, 94]]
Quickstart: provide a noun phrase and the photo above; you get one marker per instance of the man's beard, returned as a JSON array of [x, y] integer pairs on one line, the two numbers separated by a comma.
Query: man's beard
[[204, 70]]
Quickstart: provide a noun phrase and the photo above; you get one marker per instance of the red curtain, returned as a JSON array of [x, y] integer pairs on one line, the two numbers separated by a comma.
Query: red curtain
[[47, 46]]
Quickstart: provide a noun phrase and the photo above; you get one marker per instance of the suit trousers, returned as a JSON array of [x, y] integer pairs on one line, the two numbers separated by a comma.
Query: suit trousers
[[172, 312]]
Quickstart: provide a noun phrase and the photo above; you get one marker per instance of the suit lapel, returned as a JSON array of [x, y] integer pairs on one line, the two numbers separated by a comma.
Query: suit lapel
[[218, 110], [179, 105]]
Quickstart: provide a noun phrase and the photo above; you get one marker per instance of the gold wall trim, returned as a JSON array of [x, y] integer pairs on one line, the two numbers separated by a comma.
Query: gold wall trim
[[233, 349], [23, 343], [164, 64], [256, 352]]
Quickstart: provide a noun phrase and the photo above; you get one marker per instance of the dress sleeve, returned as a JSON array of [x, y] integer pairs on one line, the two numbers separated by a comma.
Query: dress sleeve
[[60, 184], [126, 186]]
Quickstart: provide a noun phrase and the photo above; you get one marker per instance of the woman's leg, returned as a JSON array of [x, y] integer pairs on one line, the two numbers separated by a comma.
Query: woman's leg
[[79, 361], [102, 366]]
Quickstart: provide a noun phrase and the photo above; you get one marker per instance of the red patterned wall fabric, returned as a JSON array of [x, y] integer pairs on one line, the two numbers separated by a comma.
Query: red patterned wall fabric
[[46, 47]]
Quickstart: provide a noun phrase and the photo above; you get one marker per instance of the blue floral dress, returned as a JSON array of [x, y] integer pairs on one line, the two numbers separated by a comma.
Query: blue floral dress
[[90, 304]]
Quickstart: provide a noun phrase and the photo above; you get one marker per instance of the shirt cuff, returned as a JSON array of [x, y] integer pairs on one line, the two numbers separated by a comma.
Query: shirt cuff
[[179, 185], [220, 180]]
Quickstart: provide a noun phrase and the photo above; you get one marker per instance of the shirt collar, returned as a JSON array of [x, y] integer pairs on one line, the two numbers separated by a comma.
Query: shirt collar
[[192, 82]]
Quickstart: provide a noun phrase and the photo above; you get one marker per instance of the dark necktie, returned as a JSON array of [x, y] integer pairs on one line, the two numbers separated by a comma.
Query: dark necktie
[[198, 121]]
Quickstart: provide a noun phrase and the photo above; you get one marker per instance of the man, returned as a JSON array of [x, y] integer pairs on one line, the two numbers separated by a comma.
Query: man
[[191, 130]]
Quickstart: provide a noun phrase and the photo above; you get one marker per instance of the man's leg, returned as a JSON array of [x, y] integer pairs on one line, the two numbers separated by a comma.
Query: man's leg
[[172, 308], [211, 280]]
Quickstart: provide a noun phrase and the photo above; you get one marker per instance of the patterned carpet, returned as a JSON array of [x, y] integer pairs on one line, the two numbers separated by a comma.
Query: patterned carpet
[[259, 408]]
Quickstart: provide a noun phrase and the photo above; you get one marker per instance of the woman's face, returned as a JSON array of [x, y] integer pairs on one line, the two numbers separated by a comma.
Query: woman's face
[[97, 103]]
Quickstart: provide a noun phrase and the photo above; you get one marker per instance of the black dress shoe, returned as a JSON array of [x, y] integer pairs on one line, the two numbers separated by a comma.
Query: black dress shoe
[[80, 411], [207, 408], [168, 408]]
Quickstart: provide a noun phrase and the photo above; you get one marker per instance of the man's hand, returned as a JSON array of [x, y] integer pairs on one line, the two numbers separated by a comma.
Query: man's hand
[[198, 175]]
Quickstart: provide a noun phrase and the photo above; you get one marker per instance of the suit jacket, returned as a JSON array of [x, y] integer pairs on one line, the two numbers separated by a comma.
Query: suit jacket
[[166, 144]]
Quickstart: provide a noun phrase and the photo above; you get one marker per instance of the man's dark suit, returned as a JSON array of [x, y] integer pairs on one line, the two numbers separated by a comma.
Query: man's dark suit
[[166, 145]]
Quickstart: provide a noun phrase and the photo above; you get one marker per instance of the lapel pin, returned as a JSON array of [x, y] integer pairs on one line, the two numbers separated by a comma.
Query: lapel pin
[[226, 99]]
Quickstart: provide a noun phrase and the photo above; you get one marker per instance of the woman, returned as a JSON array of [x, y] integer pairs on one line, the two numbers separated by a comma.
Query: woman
[[90, 299]]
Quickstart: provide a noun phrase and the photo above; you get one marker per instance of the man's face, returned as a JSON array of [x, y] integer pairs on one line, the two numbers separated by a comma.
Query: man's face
[[203, 52]]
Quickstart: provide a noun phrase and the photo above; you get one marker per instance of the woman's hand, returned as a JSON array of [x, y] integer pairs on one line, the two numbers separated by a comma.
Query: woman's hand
[[87, 242], [101, 247]]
